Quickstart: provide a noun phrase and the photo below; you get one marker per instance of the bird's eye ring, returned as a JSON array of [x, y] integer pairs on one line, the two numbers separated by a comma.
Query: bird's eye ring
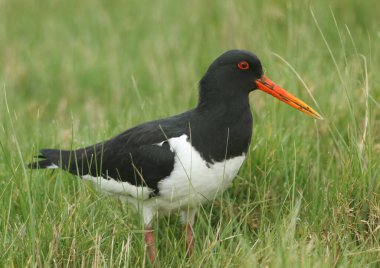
[[243, 65]]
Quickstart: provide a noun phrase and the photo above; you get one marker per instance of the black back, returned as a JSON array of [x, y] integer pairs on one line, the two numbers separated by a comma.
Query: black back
[[219, 128]]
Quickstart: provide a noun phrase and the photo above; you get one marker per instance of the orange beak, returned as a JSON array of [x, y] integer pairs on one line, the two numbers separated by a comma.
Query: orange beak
[[270, 87]]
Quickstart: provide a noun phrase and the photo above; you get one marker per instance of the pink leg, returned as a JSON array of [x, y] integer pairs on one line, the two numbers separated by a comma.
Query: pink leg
[[189, 239], [149, 242]]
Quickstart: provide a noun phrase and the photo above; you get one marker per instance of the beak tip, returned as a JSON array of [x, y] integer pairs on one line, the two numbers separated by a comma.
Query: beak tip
[[319, 117], [271, 88]]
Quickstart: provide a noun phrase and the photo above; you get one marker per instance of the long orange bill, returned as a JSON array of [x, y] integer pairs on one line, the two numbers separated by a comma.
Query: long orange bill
[[270, 87]]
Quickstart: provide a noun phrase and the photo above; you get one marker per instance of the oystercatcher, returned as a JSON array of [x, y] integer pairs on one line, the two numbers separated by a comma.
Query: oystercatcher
[[180, 162]]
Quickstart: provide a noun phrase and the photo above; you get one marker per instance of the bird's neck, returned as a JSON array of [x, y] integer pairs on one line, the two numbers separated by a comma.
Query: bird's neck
[[222, 99], [226, 108], [227, 125]]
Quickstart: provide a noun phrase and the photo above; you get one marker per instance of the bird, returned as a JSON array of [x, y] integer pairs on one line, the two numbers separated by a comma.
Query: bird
[[178, 163]]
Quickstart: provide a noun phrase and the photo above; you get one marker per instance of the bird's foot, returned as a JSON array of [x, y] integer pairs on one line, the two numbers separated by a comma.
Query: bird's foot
[[149, 242], [188, 230]]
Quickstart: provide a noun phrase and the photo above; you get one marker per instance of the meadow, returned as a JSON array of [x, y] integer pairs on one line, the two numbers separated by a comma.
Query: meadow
[[73, 73]]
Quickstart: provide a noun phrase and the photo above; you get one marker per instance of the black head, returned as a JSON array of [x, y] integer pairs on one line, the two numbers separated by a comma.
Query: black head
[[232, 74], [236, 73]]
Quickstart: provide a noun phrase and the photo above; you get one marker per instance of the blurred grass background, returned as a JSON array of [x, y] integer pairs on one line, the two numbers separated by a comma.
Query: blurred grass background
[[74, 73]]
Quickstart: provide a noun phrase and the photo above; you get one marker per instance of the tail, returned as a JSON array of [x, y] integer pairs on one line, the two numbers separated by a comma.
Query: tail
[[51, 158], [78, 162]]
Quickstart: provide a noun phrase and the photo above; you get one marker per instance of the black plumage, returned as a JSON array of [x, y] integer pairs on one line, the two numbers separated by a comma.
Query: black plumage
[[184, 160], [220, 127]]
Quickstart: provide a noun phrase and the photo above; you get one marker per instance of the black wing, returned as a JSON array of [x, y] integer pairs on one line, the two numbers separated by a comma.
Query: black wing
[[140, 155]]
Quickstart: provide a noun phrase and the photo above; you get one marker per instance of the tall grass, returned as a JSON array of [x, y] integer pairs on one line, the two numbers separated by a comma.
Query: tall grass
[[74, 73]]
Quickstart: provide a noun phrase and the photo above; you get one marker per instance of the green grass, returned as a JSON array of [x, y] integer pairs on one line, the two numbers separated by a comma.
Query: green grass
[[76, 72]]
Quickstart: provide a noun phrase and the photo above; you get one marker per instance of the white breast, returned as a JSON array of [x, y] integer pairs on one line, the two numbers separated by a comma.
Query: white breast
[[194, 181]]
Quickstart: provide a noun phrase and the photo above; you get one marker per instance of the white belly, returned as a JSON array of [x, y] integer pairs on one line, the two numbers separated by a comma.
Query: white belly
[[192, 182]]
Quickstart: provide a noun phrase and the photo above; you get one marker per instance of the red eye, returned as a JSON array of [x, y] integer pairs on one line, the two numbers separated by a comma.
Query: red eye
[[243, 65]]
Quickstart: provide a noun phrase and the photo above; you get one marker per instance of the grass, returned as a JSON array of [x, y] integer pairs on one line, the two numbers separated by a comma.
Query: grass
[[74, 73]]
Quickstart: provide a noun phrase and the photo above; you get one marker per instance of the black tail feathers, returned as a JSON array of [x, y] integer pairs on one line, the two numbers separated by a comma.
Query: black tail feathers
[[45, 163], [50, 158], [78, 162]]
